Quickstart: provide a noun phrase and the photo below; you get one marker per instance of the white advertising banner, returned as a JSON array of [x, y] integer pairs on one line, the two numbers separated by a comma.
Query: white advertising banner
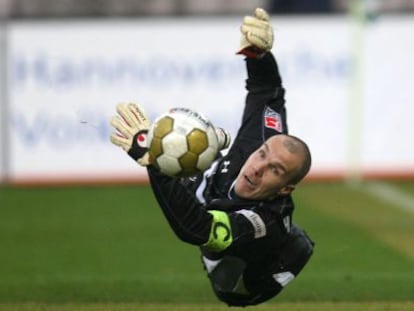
[[66, 78], [388, 105]]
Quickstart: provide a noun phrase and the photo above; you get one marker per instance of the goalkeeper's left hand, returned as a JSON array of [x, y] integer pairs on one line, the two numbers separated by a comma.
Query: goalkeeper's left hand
[[257, 34], [131, 126]]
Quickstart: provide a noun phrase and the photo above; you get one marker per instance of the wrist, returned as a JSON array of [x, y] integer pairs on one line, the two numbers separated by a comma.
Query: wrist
[[139, 145]]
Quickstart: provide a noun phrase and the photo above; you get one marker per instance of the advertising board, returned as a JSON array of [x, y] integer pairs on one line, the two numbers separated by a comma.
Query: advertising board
[[64, 88]]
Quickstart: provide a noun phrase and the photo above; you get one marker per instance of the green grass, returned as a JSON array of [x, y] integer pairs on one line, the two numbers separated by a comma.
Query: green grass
[[110, 246], [289, 306]]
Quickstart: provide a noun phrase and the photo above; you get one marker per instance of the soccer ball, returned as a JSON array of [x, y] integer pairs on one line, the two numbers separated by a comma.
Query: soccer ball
[[182, 143]]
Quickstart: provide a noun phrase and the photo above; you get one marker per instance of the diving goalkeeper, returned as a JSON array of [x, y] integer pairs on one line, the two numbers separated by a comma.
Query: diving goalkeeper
[[239, 211]]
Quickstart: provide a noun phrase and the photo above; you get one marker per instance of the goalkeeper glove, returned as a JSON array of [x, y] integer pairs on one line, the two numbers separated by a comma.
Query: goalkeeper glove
[[257, 35], [131, 131], [223, 137]]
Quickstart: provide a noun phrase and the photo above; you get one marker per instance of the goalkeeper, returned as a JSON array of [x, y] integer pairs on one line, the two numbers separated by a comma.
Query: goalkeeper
[[239, 211]]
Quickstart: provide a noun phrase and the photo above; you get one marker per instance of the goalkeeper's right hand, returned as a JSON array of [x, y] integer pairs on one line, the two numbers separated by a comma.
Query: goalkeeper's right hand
[[131, 126], [257, 34]]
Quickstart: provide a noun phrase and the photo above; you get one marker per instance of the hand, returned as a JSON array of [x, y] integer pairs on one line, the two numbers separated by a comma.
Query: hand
[[257, 34], [131, 131], [224, 138]]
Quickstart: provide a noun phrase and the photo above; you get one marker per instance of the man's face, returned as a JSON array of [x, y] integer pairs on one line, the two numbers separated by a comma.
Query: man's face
[[267, 171]]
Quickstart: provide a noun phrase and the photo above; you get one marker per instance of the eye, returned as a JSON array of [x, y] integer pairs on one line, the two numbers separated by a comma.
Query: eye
[[262, 153], [274, 170]]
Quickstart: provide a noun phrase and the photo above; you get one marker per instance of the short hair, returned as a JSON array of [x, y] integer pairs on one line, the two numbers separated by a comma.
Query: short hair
[[295, 145]]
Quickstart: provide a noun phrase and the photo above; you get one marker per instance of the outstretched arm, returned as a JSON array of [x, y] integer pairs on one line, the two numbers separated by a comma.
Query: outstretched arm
[[264, 113], [213, 227], [191, 222]]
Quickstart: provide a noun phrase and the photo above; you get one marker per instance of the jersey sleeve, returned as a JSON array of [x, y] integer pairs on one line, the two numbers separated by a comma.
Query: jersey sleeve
[[252, 223], [236, 229], [190, 220], [187, 217], [264, 113], [207, 226]]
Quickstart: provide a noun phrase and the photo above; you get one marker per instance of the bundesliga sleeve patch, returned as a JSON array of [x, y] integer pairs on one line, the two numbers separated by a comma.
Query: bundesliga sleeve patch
[[273, 120]]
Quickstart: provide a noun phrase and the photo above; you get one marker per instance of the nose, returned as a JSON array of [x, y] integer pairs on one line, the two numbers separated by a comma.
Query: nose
[[259, 169]]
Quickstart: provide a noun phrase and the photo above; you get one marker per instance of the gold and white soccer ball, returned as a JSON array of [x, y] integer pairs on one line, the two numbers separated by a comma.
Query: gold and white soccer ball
[[182, 143]]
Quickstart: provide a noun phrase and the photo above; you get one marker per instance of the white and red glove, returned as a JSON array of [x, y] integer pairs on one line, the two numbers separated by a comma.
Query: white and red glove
[[257, 35], [131, 126]]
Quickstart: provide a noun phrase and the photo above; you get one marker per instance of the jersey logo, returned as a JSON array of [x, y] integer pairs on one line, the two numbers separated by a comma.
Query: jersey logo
[[283, 278], [257, 222], [286, 222], [203, 184], [225, 168], [273, 120], [210, 264]]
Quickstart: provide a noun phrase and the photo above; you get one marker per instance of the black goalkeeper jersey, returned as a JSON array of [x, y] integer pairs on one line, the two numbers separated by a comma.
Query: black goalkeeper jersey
[[264, 251]]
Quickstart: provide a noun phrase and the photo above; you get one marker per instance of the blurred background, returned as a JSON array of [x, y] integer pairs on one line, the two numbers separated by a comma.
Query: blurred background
[[109, 8], [64, 65]]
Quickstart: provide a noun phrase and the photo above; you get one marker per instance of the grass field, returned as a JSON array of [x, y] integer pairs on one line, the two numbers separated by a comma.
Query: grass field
[[109, 248]]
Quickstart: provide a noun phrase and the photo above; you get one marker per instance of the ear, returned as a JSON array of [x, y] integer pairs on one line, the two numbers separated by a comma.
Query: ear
[[286, 189]]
